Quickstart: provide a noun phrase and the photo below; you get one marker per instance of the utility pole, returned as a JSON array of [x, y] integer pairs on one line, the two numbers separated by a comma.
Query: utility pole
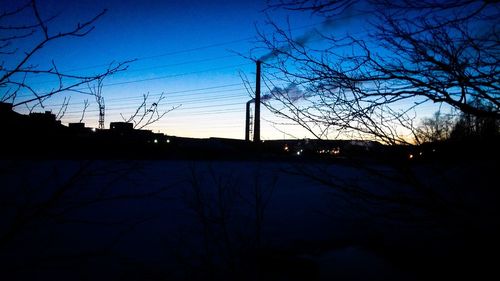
[[248, 120], [100, 102], [97, 92]]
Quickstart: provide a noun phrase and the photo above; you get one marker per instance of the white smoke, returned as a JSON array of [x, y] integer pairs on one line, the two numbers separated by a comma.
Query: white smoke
[[311, 34], [266, 97], [292, 92]]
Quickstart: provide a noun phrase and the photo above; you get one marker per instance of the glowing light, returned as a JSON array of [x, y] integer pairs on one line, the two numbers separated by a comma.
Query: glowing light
[[168, 141], [285, 148], [93, 129], [298, 152], [410, 156], [155, 141]]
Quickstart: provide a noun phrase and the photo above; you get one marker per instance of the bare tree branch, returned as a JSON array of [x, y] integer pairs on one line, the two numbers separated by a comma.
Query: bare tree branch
[[13, 77], [63, 108], [85, 106], [371, 87], [147, 114]]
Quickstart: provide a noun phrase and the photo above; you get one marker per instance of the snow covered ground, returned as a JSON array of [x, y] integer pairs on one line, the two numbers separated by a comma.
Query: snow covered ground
[[229, 220]]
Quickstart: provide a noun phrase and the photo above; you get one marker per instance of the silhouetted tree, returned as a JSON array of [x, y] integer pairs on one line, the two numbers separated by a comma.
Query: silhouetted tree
[[17, 68], [435, 128], [470, 127], [371, 85], [52, 199], [147, 113]]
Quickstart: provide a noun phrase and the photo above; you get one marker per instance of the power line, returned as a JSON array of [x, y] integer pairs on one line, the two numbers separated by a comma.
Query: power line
[[157, 78], [191, 100], [154, 67], [177, 93], [170, 76], [187, 92], [170, 95], [182, 108], [197, 113], [169, 53], [219, 44], [183, 63], [190, 50], [138, 100]]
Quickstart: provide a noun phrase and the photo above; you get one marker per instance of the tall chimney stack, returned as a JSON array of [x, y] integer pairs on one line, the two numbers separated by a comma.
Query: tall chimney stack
[[256, 131], [247, 120]]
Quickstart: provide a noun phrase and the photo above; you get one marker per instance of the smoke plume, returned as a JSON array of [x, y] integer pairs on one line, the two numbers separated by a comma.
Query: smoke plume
[[314, 33], [291, 92]]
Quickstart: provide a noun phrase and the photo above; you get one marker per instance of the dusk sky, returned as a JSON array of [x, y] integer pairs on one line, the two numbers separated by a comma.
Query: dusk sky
[[185, 49]]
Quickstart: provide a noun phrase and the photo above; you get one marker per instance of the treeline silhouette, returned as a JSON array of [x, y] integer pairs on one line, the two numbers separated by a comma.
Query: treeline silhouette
[[41, 135]]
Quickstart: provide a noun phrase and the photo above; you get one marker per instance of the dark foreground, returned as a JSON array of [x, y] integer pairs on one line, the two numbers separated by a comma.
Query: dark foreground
[[248, 220]]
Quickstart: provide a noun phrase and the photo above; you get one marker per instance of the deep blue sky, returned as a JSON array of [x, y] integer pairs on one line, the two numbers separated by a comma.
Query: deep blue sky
[[185, 49], [181, 45]]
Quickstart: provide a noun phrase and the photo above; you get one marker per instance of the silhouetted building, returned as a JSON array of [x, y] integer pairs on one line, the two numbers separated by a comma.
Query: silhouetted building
[[47, 117], [121, 126], [76, 126], [5, 107], [79, 129]]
